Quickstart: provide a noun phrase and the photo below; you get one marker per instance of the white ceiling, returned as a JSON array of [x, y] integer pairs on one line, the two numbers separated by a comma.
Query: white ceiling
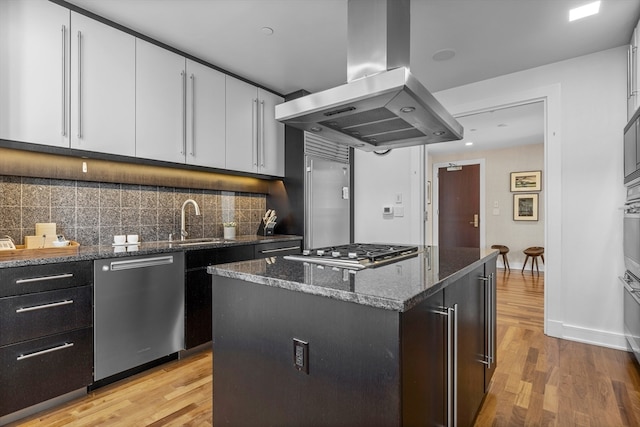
[[308, 49]]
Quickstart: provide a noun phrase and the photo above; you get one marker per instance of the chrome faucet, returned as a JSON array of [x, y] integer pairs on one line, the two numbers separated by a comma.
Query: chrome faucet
[[183, 232]]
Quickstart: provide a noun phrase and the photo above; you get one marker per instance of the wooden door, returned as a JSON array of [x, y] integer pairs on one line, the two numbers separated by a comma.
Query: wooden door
[[459, 206]]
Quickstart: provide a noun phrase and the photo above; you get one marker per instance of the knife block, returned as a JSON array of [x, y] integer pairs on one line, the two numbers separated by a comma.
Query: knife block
[[265, 230]]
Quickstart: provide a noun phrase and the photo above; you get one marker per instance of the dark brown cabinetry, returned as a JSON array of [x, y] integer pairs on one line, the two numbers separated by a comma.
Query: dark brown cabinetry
[[198, 282], [425, 366], [46, 335]]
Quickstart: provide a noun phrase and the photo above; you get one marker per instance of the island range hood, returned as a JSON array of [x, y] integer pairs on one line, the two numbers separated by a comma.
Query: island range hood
[[383, 105]]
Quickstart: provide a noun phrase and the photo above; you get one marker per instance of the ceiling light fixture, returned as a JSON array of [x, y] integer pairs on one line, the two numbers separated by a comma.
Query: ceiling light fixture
[[584, 11], [267, 31]]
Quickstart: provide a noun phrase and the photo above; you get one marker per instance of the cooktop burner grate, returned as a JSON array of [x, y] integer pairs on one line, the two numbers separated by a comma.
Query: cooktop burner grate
[[358, 255]]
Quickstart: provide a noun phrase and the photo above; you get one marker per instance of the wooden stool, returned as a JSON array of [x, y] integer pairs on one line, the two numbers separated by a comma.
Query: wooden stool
[[503, 251], [534, 252]]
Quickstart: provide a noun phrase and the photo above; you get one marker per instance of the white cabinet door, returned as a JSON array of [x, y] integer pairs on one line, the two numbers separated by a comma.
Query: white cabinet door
[[255, 140], [242, 126], [205, 116], [161, 83], [103, 64], [34, 72], [271, 136]]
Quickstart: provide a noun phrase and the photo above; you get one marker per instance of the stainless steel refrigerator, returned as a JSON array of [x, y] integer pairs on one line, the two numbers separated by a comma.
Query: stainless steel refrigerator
[[327, 219]]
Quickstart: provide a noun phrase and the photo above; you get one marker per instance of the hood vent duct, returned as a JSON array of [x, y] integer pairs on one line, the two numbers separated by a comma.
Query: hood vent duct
[[383, 105]]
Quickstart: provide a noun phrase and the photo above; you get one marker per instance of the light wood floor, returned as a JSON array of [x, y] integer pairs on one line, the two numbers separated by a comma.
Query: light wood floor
[[540, 381]]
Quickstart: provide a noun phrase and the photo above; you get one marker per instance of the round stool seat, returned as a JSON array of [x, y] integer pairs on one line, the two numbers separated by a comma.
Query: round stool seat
[[503, 251], [534, 252]]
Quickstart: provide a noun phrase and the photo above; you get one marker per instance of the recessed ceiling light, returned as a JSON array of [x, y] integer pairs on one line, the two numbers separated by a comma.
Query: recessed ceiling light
[[502, 125], [444, 55], [468, 144], [267, 31], [584, 11]]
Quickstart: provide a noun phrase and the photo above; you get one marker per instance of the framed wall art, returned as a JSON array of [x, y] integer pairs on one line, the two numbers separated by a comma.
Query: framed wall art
[[525, 207], [526, 181]]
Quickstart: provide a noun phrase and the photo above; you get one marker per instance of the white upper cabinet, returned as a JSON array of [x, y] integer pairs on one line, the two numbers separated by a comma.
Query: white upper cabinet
[[205, 116], [34, 72], [161, 121], [255, 141], [271, 137], [103, 87]]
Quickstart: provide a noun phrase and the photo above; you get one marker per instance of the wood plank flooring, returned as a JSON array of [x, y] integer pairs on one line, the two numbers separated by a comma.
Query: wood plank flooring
[[540, 381]]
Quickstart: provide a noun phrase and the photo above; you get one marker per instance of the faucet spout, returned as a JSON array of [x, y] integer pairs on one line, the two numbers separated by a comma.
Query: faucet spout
[[183, 231]]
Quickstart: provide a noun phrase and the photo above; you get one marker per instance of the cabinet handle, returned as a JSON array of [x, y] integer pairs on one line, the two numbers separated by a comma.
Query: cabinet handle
[[43, 306], [43, 278], [183, 75], [64, 81], [452, 362], [79, 85], [193, 115], [49, 350], [254, 151], [629, 71], [261, 123], [270, 251], [488, 358]]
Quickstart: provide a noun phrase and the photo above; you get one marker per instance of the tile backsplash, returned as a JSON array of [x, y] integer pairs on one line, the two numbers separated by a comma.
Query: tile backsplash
[[91, 212]]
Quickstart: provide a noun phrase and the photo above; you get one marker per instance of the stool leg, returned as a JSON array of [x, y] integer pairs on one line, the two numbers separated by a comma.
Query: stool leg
[[535, 258], [542, 256], [506, 262], [525, 263]]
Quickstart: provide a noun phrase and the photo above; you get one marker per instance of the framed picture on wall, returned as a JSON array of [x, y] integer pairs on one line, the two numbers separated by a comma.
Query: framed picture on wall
[[525, 207], [526, 181]]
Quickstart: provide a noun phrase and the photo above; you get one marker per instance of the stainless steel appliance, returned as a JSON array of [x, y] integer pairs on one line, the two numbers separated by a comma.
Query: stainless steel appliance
[[383, 105], [139, 311], [631, 279], [356, 255], [327, 219]]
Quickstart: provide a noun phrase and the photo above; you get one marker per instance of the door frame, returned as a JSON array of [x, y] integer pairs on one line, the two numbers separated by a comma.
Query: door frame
[[435, 191], [550, 95]]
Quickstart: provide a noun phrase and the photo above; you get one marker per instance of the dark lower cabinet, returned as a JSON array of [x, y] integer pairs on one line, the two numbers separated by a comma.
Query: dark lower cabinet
[[46, 333], [38, 370], [467, 298], [198, 282], [289, 358]]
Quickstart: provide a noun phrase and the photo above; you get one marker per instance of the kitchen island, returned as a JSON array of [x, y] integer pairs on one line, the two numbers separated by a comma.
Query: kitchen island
[[408, 343]]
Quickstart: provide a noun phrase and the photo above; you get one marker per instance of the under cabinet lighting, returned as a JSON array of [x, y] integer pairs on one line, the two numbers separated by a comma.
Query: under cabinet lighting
[[584, 11]]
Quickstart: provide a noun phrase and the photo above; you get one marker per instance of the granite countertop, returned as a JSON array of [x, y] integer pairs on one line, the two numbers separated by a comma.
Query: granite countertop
[[144, 248], [397, 286]]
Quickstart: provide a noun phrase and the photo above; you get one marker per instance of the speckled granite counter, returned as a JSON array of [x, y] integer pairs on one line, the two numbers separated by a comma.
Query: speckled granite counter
[[144, 248], [398, 286]]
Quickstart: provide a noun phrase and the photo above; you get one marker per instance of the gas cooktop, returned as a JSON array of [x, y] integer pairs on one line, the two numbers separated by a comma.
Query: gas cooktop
[[356, 255]]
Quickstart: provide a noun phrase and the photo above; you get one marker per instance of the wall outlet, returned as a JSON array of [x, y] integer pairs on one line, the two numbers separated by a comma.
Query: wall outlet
[[301, 355]]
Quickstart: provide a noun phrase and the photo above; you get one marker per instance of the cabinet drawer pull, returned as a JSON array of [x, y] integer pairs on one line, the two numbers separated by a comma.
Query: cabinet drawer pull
[[43, 278], [43, 306], [49, 350], [270, 251], [64, 81]]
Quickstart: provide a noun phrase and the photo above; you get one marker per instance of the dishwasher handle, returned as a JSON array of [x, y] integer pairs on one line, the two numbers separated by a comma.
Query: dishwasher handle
[[138, 263]]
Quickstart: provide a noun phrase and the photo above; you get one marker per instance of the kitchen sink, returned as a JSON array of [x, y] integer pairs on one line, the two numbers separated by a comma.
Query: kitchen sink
[[197, 242]]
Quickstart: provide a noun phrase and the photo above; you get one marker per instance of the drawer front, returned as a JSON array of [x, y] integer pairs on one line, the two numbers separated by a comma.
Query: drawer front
[[36, 315], [265, 250], [38, 278], [38, 370]]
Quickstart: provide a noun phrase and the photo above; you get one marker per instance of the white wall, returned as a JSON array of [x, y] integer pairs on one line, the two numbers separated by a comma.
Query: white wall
[[500, 228], [377, 182], [585, 116]]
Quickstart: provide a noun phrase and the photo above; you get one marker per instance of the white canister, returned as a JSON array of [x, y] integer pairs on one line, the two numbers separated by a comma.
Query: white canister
[[229, 232]]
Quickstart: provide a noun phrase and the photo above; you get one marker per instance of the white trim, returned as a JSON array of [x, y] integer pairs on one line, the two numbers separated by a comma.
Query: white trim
[[553, 194], [588, 336], [434, 197]]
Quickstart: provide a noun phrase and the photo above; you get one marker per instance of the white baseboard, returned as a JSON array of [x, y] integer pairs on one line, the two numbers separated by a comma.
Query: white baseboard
[[588, 336], [517, 266]]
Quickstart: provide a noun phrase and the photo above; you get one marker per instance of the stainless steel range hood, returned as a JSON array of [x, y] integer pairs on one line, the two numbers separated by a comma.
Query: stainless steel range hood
[[383, 105]]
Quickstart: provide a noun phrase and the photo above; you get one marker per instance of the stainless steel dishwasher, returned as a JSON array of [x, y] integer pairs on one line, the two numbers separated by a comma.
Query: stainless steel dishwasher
[[138, 311]]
